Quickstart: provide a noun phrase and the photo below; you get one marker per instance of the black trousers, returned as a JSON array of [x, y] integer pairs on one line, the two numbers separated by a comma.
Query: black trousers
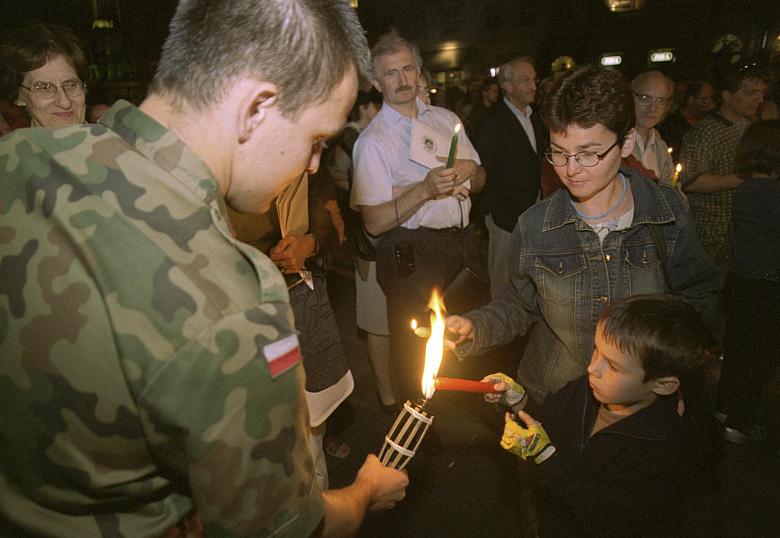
[[751, 349], [438, 257]]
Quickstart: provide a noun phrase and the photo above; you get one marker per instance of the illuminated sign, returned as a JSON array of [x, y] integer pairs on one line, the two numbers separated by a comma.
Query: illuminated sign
[[660, 56], [610, 60]]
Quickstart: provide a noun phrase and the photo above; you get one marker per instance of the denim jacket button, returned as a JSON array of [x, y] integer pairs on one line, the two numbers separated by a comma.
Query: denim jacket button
[[602, 299]]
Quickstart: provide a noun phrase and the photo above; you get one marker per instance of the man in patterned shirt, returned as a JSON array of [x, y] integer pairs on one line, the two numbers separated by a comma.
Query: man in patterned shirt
[[149, 365], [707, 158]]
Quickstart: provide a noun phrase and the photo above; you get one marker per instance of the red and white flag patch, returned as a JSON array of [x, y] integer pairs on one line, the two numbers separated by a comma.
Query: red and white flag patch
[[282, 354]]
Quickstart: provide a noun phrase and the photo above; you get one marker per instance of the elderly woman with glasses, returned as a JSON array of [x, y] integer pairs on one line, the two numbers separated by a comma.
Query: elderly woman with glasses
[[610, 233], [44, 69]]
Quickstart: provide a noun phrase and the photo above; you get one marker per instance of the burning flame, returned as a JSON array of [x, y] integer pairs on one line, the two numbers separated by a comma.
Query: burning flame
[[434, 348], [678, 168], [413, 324], [457, 129]]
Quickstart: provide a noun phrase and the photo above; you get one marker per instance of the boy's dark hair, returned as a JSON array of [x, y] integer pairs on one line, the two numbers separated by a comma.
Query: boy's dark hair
[[663, 331], [588, 96], [29, 47], [729, 78], [304, 47], [759, 149]]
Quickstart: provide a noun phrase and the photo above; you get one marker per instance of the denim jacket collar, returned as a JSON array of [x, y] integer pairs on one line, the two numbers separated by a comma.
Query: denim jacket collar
[[654, 208]]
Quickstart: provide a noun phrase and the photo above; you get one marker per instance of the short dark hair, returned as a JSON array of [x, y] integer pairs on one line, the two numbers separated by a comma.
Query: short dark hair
[[30, 47], [363, 99], [694, 88], [485, 86], [664, 332], [588, 96], [304, 47], [729, 78], [759, 149]]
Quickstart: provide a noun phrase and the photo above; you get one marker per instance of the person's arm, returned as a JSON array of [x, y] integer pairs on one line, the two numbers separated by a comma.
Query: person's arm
[[691, 270], [375, 488], [507, 315], [381, 218], [696, 154], [713, 183]]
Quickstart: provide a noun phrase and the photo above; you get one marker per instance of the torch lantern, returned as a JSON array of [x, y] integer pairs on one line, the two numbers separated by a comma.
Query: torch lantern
[[403, 439]]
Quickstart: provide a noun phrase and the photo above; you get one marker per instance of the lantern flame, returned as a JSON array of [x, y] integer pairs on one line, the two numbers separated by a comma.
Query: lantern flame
[[434, 348]]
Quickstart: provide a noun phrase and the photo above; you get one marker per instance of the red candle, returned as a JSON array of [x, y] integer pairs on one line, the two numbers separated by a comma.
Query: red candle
[[463, 385]]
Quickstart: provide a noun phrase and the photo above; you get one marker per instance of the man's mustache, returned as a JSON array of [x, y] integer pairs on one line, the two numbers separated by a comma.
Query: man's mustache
[[403, 88]]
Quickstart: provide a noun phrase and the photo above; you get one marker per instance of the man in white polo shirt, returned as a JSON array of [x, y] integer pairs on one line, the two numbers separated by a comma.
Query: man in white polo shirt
[[419, 214]]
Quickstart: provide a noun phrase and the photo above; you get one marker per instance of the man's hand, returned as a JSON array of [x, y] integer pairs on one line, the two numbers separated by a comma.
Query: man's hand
[[291, 252], [460, 326], [531, 442], [387, 486], [336, 219], [510, 393], [440, 182]]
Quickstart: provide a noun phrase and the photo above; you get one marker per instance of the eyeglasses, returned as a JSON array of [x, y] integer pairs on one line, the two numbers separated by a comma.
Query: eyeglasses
[[647, 100], [583, 158], [47, 90]]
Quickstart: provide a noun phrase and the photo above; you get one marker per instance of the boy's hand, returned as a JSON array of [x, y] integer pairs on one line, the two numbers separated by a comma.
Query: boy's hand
[[511, 394], [531, 442]]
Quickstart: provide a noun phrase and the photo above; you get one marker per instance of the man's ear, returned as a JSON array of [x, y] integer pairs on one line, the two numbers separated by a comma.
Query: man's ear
[[664, 386], [254, 107], [628, 143]]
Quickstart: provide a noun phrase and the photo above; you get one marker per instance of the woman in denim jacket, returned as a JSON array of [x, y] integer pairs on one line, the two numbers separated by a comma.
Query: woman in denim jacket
[[609, 234]]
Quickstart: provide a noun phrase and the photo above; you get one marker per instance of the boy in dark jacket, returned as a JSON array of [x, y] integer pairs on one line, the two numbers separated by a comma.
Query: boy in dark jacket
[[621, 445]]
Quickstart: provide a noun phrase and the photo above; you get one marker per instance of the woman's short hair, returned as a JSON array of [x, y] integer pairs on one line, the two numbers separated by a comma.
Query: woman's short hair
[[304, 47], [30, 47], [759, 149], [588, 96]]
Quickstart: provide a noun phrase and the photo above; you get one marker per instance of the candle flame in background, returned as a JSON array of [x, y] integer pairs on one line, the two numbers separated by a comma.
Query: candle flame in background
[[434, 348], [676, 175], [457, 129], [413, 324], [669, 150]]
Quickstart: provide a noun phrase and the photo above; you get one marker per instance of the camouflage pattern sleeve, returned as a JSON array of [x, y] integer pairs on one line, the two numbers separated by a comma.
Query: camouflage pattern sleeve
[[140, 346]]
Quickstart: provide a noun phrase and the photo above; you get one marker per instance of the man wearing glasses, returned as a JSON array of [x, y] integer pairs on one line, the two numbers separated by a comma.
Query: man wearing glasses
[[510, 141], [652, 98]]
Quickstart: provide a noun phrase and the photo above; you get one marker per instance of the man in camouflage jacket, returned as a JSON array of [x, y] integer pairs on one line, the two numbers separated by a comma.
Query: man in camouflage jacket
[[149, 365]]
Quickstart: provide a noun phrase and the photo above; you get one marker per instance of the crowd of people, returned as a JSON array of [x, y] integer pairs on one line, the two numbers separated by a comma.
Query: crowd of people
[[169, 354]]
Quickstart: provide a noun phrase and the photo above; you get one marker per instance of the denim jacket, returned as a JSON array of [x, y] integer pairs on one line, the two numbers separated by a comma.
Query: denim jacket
[[562, 277]]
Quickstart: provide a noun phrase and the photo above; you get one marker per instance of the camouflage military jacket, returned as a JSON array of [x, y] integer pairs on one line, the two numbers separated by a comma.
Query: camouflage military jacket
[[148, 361]]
